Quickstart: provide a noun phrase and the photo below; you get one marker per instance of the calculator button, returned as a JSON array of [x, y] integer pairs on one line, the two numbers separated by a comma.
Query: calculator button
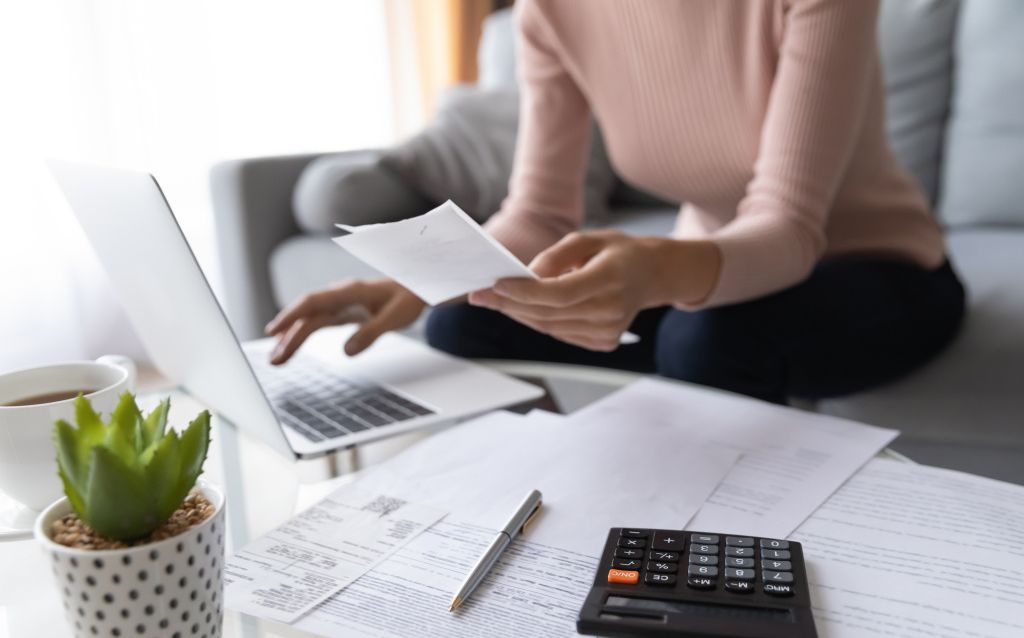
[[704, 559], [667, 568], [627, 563], [732, 561], [777, 577], [637, 543], [771, 543], [739, 574], [700, 582], [707, 539], [668, 540], [742, 552], [660, 579], [739, 586], [623, 576], [702, 570], [777, 589], [672, 557], [775, 554], [777, 565], [635, 533], [622, 552], [739, 541], [703, 549]]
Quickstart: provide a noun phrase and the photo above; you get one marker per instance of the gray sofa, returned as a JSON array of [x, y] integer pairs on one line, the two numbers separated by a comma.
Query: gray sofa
[[955, 97]]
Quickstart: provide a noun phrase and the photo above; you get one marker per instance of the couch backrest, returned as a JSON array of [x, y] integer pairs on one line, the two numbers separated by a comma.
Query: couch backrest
[[983, 167], [915, 40], [496, 57]]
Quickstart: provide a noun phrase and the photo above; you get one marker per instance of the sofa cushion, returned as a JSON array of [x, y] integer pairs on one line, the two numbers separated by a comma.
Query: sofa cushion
[[972, 392], [467, 151], [916, 40], [981, 181], [465, 154], [352, 188]]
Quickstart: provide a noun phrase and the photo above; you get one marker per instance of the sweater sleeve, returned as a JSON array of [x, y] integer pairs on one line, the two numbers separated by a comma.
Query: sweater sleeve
[[545, 200], [818, 101]]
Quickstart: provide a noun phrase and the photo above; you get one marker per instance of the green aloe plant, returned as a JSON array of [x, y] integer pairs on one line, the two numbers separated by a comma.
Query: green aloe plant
[[126, 477]]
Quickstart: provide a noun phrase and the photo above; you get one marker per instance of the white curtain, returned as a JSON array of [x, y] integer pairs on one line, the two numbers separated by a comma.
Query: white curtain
[[169, 87]]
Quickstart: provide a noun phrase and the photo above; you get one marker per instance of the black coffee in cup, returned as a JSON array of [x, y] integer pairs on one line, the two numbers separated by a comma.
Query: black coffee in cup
[[49, 397]]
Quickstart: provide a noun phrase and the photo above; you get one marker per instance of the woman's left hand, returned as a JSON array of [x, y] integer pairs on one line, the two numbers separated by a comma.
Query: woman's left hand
[[592, 285]]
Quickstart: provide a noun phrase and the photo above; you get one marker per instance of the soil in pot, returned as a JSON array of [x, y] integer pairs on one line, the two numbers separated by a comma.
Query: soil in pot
[[71, 531]]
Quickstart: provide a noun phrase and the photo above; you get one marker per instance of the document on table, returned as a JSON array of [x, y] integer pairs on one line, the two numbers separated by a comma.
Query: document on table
[[438, 256], [287, 572], [909, 550], [533, 590], [791, 460], [593, 475]]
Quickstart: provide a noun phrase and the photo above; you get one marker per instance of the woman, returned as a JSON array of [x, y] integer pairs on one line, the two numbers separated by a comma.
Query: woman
[[805, 262]]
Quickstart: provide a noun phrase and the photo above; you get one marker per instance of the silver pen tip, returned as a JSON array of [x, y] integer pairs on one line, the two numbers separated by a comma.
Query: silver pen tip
[[455, 603]]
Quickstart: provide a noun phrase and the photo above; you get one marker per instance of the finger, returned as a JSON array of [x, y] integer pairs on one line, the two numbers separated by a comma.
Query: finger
[[574, 250], [602, 339], [593, 331], [326, 301], [295, 336], [591, 309], [584, 339], [391, 317], [596, 338], [559, 292], [588, 342], [286, 318]]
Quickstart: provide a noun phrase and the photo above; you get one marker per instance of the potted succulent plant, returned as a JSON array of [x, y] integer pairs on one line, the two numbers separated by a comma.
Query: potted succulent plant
[[137, 547]]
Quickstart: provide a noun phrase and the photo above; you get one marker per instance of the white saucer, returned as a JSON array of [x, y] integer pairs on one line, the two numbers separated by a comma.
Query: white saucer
[[16, 520]]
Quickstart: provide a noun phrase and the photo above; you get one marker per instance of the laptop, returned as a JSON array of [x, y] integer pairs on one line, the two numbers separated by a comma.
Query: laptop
[[319, 402]]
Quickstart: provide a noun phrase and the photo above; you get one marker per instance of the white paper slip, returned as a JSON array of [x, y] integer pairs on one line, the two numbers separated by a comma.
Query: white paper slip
[[792, 460], [479, 471], [438, 256], [909, 550], [286, 573], [533, 590]]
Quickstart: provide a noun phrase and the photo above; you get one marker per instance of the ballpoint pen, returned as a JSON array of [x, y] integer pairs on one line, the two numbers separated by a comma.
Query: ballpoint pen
[[525, 513]]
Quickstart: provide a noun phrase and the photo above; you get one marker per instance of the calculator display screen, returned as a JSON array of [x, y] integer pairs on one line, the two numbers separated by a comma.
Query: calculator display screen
[[698, 609]]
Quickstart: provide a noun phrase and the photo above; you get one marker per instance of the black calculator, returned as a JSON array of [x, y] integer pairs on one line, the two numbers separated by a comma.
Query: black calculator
[[660, 582]]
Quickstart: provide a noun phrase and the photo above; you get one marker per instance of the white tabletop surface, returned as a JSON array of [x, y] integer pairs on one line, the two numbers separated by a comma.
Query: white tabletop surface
[[263, 490]]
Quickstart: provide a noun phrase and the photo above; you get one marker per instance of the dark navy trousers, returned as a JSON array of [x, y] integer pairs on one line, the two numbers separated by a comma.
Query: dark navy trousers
[[852, 325]]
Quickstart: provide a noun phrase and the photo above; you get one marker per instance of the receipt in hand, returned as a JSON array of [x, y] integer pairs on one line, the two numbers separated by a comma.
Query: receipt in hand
[[438, 256]]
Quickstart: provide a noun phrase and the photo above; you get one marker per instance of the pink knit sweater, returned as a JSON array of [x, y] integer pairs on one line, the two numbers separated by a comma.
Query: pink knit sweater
[[765, 116]]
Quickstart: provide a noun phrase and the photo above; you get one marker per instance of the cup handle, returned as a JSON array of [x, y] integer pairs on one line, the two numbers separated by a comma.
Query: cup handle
[[125, 364]]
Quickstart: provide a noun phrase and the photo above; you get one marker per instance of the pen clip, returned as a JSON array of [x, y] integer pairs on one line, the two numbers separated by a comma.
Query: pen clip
[[533, 515]]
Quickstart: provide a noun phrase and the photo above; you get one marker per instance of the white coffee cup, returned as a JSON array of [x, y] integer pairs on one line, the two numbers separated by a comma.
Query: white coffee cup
[[28, 458]]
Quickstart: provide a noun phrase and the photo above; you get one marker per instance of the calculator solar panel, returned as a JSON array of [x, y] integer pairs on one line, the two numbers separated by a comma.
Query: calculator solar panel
[[699, 585]]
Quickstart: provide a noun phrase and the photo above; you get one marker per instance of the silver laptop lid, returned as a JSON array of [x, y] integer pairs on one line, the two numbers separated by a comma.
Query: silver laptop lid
[[165, 294]]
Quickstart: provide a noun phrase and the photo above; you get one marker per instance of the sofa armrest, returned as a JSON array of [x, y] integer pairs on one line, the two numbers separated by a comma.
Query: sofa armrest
[[252, 205]]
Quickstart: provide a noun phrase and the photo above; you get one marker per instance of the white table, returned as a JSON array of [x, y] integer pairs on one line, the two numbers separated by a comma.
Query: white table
[[263, 490]]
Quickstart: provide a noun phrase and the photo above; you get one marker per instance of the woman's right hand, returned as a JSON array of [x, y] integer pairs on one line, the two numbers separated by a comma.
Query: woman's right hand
[[378, 305]]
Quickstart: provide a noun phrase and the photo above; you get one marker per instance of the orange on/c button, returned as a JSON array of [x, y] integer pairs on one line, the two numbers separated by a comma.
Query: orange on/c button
[[623, 576]]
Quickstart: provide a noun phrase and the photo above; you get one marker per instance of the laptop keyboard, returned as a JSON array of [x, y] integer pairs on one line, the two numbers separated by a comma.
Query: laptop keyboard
[[320, 405]]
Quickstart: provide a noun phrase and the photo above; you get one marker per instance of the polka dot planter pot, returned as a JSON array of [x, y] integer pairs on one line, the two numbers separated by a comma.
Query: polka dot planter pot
[[171, 589]]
